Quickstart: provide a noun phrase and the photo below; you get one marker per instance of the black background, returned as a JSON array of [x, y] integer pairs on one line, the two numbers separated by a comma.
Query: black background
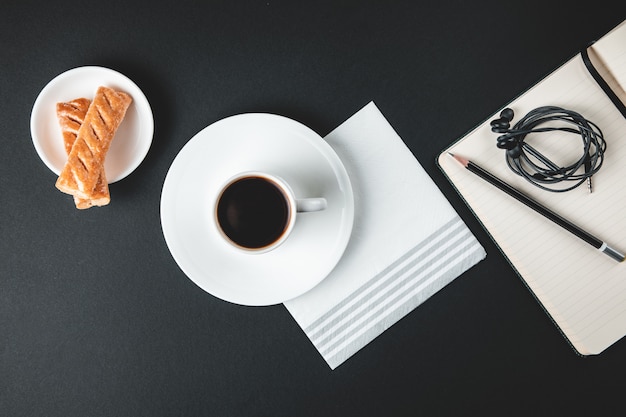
[[96, 318]]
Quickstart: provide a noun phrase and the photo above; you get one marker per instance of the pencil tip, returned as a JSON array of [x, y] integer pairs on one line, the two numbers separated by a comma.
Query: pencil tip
[[462, 161]]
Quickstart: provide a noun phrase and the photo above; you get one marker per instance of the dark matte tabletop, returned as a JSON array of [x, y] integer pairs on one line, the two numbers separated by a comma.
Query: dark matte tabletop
[[96, 317]]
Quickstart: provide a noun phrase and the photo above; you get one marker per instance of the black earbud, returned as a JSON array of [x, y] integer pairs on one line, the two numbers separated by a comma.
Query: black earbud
[[507, 114], [502, 124], [508, 140]]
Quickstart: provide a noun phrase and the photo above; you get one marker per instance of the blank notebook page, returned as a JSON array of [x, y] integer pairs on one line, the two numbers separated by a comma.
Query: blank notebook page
[[582, 289]]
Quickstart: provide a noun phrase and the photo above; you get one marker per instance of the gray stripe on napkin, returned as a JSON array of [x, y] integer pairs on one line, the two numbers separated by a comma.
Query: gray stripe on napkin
[[388, 318], [453, 224], [394, 292]]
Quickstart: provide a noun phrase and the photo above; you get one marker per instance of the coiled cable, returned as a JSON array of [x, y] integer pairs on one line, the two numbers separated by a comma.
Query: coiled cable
[[526, 161]]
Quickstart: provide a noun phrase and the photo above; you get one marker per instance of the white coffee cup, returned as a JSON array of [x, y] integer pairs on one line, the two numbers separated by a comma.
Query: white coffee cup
[[256, 211]]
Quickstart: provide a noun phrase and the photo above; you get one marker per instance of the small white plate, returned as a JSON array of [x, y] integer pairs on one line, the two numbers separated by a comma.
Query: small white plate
[[132, 139], [256, 142]]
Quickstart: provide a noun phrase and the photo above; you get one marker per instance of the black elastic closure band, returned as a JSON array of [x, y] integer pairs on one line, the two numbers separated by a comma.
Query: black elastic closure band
[[602, 83]]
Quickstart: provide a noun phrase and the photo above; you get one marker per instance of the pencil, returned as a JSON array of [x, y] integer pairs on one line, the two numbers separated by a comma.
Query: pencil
[[567, 225]]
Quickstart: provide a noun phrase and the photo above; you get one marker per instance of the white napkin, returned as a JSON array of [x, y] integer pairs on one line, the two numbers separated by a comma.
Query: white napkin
[[407, 243]]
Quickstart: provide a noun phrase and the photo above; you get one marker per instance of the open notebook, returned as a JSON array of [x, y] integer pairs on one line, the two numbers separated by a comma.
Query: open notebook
[[582, 290]]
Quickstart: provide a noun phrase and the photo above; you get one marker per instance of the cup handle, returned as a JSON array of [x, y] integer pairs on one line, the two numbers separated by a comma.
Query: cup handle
[[311, 204]]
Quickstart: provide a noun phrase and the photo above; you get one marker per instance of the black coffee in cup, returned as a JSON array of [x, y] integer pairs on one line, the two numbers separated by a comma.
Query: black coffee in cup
[[253, 212]]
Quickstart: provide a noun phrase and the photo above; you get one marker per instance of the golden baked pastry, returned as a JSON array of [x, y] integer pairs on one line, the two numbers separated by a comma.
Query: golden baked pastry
[[82, 170], [71, 115]]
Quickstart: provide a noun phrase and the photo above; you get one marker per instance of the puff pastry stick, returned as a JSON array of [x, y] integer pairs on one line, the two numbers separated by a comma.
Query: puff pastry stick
[[71, 115], [82, 169]]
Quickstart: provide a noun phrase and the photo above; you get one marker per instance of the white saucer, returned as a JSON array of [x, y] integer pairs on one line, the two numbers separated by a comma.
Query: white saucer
[[258, 142], [132, 139]]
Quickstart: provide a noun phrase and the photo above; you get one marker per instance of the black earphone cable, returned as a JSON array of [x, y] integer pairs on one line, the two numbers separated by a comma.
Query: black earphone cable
[[535, 167]]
